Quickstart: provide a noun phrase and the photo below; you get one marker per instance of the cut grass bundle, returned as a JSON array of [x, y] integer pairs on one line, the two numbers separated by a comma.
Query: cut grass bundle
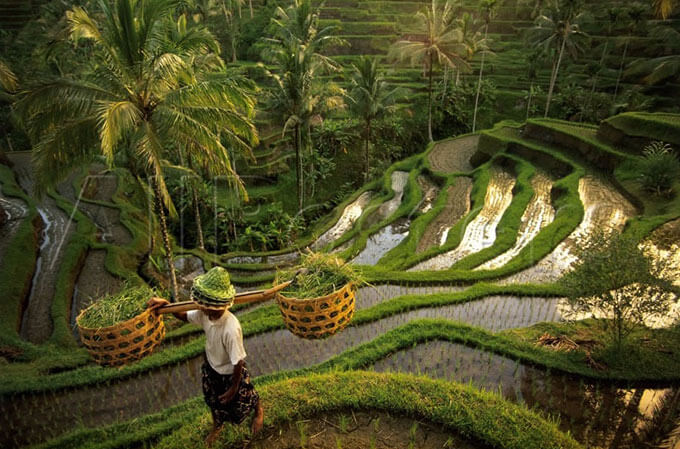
[[116, 308], [321, 300], [119, 329], [324, 275]]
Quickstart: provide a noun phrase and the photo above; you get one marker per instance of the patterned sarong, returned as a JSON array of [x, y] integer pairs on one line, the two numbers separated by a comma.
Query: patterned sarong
[[216, 384]]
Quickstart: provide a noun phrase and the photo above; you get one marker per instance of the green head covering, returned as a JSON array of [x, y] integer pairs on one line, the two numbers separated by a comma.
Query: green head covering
[[213, 289]]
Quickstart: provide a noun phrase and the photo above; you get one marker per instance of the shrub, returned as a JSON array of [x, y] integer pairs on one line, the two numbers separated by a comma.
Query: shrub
[[659, 168], [617, 283]]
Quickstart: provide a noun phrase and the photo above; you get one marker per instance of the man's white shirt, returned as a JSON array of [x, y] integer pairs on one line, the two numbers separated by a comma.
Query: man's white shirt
[[223, 340]]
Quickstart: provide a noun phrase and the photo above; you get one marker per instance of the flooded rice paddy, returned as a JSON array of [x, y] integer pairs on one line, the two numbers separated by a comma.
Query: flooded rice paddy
[[480, 233], [538, 214], [346, 221], [597, 414], [604, 209], [38, 417], [457, 206]]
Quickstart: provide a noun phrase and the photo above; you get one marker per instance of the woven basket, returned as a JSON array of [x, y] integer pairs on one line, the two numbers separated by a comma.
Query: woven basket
[[124, 342], [318, 317]]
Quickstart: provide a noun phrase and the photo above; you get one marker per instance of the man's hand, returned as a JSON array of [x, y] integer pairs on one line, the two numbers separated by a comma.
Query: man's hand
[[156, 302], [228, 396]]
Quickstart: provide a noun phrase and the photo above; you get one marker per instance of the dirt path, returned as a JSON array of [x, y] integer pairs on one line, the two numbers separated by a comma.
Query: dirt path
[[480, 233], [454, 155], [590, 411], [457, 206], [36, 418], [36, 325], [605, 209], [538, 214]]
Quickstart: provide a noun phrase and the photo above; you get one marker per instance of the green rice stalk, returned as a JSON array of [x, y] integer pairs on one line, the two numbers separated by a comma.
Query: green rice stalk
[[114, 309], [325, 274]]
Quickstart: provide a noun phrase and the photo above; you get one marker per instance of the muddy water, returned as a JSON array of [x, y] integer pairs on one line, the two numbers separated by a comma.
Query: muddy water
[[596, 414], [398, 182], [382, 242], [38, 417], [430, 190], [538, 214], [453, 155], [457, 206], [346, 221], [605, 209], [480, 233]]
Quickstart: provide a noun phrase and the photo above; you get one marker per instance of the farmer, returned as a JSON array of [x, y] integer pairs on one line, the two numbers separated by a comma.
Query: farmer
[[226, 382]]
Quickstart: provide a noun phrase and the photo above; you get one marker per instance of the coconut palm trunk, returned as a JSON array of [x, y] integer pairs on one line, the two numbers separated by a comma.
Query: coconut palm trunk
[[623, 62], [298, 167], [366, 152], [166, 239], [429, 101], [197, 214], [554, 77], [479, 82], [531, 93]]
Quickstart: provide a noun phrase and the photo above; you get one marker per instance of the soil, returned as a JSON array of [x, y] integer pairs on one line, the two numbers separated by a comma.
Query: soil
[[457, 205], [374, 429], [94, 281], [454, 155], [480, 233], [667, 235], [430, 192]]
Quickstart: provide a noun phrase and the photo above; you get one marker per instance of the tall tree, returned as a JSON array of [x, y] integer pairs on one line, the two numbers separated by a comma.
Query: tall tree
[[296, 50], [138, 98], [370, 98], [488, 8], [634, 18], [437, 42], [559, 33]]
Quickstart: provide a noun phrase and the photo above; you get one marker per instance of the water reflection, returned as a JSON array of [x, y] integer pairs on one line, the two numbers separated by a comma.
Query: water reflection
[[597, 414]]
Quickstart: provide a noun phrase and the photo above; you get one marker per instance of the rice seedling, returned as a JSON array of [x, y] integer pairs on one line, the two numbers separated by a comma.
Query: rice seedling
[[113, 309], [323, 275]]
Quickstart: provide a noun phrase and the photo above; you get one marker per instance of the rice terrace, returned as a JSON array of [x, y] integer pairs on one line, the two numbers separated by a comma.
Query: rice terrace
[[340, 224]]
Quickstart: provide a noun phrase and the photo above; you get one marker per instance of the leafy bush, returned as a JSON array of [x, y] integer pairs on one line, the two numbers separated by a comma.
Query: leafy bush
[[659, 168], [614, 281]]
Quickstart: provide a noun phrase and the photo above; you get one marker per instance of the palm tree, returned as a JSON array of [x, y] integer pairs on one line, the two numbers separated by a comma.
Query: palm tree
[[635, 14], [438, 41], [296, 49], [8, 80], [558, 33], [488, 9], [143, 98], [370, 98], [664, 8]]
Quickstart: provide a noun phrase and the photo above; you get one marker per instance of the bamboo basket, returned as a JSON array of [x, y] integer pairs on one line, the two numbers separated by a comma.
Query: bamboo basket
[[123, 342], [318, 317], [137, 337]]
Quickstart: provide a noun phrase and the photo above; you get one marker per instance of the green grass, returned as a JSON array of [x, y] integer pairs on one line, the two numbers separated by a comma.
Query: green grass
[[477, 415], [665, 127], [18, 263]]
